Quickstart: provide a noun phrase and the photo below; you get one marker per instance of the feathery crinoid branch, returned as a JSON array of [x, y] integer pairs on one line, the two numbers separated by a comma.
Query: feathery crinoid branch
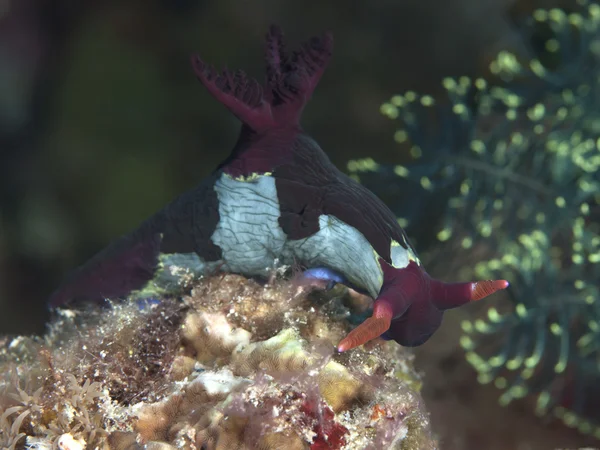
[[516, 166], [550, 343]]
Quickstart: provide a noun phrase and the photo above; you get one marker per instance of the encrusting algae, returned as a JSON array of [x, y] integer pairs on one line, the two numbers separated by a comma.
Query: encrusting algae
[[236, 365]]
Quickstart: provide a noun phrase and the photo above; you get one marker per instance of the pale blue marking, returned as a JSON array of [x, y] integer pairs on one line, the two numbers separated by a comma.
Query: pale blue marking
[[253, 243], [325, 274], [146, 304]]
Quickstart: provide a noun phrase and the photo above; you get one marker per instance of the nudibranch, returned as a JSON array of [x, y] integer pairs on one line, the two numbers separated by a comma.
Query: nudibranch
[[277, 199]]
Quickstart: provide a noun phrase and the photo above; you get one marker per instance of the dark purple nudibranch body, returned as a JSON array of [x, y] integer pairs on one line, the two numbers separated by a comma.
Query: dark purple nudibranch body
[[278, 200]]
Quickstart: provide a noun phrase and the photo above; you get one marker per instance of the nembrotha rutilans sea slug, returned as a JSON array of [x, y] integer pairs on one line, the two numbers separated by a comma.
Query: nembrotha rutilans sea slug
[[277, 199]]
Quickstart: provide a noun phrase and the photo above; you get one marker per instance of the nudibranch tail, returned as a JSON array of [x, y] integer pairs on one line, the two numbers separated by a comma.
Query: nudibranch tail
[[290, 81], [452, 295], [370, 329], [125, 266]]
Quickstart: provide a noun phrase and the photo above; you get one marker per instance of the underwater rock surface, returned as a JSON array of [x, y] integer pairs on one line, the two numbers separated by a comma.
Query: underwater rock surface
[[235, 365]]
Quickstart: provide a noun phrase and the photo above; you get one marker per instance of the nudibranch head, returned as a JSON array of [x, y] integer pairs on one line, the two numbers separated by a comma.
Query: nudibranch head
[[411, 304]]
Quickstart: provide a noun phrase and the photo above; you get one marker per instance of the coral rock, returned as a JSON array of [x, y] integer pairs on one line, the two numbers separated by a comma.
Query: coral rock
[[234, 365]]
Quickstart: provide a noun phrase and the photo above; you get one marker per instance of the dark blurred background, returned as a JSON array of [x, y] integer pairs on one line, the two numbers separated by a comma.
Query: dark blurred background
[[102, 122]]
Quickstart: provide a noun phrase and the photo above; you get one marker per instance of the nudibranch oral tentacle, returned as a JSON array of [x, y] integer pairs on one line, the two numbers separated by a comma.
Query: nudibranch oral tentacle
[[371, 328], [278, 199]]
